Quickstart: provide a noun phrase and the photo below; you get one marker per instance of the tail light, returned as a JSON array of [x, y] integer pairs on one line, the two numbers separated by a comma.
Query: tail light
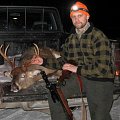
[[117, 73]]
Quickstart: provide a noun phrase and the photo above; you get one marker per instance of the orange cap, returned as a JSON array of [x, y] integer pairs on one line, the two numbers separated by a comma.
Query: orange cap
[[79, 7]]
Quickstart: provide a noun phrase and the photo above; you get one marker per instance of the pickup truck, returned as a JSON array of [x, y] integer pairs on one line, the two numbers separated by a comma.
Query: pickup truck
[[20, 26]]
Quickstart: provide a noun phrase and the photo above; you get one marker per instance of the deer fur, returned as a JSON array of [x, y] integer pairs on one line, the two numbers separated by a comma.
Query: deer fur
[[26, 74]]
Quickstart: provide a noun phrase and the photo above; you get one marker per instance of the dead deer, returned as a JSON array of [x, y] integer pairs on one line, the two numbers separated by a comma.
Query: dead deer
[[26, 74]]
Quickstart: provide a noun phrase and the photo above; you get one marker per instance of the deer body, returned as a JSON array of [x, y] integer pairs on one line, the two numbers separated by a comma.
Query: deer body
[[26, 74]]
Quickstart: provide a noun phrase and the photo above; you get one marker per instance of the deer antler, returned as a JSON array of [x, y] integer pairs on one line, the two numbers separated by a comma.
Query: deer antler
[[36, 48], [45, 52], [4, 55]]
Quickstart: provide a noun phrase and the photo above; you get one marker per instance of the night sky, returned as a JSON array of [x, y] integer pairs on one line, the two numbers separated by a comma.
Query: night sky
[[104, 14]]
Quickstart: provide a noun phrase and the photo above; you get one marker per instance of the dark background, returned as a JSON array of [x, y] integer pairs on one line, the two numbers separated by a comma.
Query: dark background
[[104, 14]]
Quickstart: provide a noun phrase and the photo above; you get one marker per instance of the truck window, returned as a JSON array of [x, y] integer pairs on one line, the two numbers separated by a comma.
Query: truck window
[[16, 19], [41, 20], [34, 19], [29, 19]]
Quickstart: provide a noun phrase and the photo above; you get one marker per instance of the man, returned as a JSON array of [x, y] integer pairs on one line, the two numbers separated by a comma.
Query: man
[[90, 49]]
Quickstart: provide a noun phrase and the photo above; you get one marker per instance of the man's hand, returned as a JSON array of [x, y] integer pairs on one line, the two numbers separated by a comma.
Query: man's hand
[[70, 67], [37, 60]]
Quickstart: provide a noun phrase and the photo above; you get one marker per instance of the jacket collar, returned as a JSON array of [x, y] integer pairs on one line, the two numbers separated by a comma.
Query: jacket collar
[[86, 32]]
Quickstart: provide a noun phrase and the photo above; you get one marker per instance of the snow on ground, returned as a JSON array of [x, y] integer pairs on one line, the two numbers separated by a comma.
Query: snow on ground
[[20, 114]]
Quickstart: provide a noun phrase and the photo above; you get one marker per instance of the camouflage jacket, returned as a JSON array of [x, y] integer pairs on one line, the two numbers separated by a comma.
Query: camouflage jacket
[[92, 53]]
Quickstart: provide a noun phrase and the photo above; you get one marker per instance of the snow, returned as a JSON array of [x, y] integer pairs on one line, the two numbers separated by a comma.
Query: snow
[[20, 114]]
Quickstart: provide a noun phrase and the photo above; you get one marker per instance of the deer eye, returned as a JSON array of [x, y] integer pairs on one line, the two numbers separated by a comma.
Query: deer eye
[[22, 75], [36, 72], [30, 74]]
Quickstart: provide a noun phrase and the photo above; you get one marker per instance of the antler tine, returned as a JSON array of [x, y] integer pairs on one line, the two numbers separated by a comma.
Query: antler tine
[[6, 50], [36, 48], [4, 55], [1, 47]]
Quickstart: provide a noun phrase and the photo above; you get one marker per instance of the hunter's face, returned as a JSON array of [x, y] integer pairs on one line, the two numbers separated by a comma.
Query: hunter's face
[[79, 20]]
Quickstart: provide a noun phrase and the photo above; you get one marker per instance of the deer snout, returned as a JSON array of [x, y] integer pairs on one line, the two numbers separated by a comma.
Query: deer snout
[[14, 87], [25, 80]]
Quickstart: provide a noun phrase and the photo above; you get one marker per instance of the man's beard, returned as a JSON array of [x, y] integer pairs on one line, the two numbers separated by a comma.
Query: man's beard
[[80, 25]]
